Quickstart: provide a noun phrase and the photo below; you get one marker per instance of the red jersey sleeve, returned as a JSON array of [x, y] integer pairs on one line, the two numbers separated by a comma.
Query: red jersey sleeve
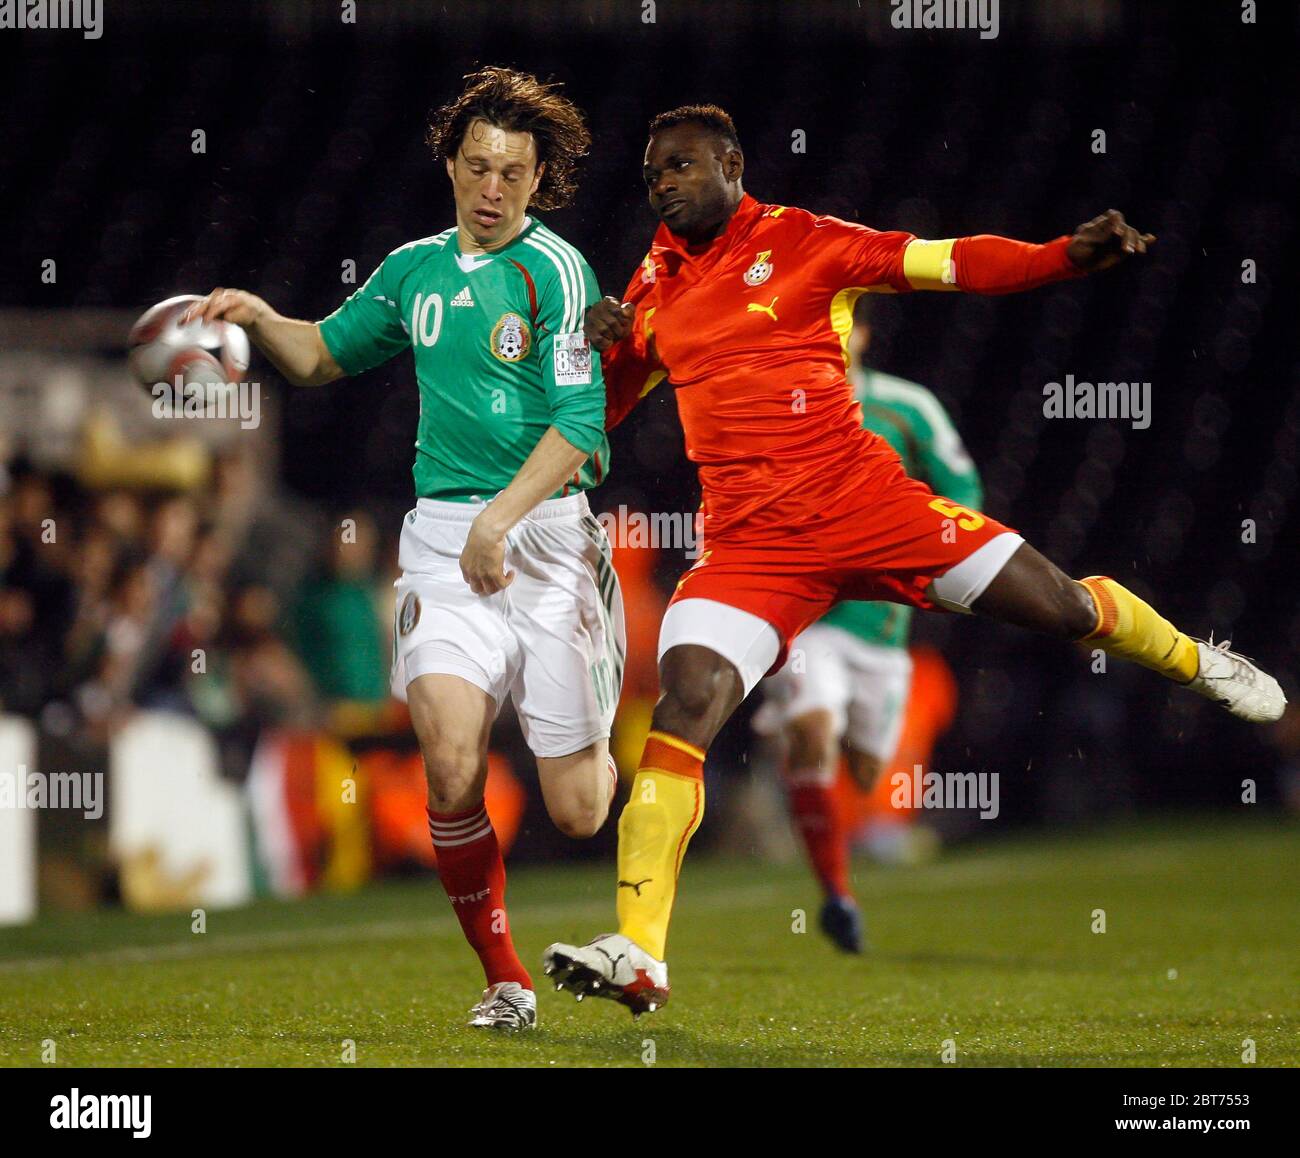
[[982, 264], [985, 264], [631, 367], [861, 256]]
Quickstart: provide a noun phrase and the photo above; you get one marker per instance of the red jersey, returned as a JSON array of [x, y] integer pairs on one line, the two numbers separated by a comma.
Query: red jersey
[[752, 330]]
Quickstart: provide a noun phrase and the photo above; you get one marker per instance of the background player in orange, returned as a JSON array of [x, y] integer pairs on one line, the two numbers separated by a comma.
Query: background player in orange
[[745, 307]]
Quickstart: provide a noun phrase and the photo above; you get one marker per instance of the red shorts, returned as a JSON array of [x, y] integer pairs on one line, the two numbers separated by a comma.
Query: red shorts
[[889, 542]]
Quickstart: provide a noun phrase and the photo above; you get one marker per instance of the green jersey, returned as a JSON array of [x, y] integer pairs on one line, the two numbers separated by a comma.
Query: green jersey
[[916, 425], [499, 355]]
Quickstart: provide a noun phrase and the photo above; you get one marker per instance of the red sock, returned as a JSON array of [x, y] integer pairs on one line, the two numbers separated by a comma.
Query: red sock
[[813, 808], [472, 872]]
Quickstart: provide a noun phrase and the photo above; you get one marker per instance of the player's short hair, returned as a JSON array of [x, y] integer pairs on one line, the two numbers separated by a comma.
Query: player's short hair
[[716, 119], [519, 103]]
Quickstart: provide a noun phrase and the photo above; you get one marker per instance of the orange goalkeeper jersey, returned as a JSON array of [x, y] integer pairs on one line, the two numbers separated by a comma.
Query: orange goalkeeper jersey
[[751, 330]]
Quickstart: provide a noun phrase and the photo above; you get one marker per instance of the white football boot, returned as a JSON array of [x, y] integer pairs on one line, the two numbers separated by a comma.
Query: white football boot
[[1236, 683], [610, 966], [506, 1005]]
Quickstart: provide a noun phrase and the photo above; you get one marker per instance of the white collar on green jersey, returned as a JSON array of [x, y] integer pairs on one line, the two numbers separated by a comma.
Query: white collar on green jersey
[[469, 262]]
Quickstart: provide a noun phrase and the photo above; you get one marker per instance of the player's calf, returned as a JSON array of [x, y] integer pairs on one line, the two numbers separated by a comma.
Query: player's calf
[[453, 785], [864, 768], [578, 789], [1031, 591], [813, 743], [451, 719], [812, 762], [700, 691]]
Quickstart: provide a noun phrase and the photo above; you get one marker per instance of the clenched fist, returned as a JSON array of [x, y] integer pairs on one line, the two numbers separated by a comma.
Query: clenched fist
[[607, 322]]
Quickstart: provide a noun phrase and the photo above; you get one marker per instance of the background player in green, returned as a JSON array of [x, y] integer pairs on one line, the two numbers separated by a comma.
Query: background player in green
[[507, 586], [847, 682]]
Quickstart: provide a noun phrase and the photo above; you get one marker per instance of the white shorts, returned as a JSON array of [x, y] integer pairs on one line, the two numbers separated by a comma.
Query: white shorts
[[749, 643], [554, 640], [863, 686]]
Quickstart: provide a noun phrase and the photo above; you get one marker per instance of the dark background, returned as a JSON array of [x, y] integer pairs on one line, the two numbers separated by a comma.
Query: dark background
[[315, 155]]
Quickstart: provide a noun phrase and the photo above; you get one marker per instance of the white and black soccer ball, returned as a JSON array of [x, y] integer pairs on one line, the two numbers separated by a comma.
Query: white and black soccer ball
[[200, 353]]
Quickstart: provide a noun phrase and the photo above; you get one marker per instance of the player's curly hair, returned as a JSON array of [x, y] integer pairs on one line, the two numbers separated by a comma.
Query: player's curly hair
[[710, 116], [519, 103]]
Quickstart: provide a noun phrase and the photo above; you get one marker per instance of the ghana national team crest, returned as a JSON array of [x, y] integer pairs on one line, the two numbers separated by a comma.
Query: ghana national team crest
[[511, 338], [761, 270], [409, 615], [648, 270]]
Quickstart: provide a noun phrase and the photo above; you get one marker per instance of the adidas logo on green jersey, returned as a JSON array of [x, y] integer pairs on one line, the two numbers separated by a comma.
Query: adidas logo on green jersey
[[463, 298]]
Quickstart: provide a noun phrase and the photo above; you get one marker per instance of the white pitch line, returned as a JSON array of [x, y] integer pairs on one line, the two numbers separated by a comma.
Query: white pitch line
[[206, 945], [926, 881]]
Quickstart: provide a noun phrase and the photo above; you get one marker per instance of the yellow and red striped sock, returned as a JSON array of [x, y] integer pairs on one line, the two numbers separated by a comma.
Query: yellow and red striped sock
[[665, 809], [1134, 630]]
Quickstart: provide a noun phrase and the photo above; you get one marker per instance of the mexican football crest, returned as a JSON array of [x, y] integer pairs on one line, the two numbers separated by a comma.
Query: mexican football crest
[[510, 338]]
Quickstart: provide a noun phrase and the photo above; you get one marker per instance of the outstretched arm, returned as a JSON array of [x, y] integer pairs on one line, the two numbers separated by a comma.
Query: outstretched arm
[[296, 348], [997, 265], [982, 264]]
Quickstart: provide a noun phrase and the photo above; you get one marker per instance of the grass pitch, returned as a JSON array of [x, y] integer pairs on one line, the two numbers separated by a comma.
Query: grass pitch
[[990, 948]]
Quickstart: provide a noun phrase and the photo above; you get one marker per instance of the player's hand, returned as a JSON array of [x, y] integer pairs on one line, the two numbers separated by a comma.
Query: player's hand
[[1105, 241], [483, 561], [607, 322], [228, 305]]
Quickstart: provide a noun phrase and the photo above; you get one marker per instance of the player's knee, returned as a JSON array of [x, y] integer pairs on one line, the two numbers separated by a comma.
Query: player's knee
[[580, 820]]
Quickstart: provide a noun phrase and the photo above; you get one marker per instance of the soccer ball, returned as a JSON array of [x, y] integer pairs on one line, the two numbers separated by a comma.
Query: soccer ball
[[199, 353]]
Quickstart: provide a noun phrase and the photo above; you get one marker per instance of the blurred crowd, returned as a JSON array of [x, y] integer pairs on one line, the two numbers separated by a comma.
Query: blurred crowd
[[232, 602]]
